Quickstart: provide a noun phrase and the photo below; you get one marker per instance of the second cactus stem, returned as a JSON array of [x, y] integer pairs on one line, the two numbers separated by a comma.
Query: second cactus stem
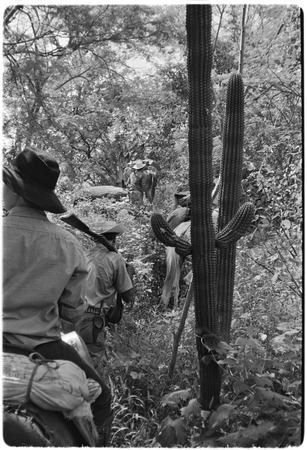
[[230, 191]]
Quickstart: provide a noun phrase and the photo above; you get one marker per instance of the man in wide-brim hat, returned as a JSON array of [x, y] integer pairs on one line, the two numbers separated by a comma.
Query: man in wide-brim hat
[[134, 183], [139, 165], [44, 271], [109, 276], [33, 176]]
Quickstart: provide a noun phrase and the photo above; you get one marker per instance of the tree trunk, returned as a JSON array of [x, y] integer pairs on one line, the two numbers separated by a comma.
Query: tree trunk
[[242, 40]]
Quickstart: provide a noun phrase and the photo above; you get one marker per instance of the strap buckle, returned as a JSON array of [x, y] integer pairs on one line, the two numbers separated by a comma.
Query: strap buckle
[[93, 310]]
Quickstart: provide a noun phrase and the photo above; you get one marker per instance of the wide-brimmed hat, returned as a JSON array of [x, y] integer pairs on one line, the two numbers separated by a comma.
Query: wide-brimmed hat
[[109, 226], [33, 176], [139, 165]]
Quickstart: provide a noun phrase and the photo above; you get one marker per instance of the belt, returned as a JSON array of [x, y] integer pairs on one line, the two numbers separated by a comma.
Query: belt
[[93, 310]]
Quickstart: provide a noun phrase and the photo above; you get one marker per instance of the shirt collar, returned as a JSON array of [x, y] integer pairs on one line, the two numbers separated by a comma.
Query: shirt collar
[[26, 211]]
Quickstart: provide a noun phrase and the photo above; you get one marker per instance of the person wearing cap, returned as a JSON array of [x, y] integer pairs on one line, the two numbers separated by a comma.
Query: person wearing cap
[[134, 183], [44, 271], [108, 277]]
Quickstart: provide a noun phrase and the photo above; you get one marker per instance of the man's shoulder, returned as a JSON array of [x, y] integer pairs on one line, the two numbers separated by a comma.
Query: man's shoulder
[[41, 227], [98, 253], [63, 233], [59, 232], [112, 257], [117, 259]]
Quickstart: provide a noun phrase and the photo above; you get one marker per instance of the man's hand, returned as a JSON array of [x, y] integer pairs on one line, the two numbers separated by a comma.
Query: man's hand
[[128, 298], [131, 270]]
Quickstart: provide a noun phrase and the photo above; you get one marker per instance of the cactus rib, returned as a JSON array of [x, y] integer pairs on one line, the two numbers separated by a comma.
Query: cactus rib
[[231, 172], [199, 18], [162, 230], [237, 227]]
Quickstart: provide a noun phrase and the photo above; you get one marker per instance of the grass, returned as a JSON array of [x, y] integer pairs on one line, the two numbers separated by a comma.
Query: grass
[[262, 372]]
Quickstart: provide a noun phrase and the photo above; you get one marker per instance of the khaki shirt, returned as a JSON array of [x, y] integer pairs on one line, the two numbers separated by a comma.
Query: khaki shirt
[[107, 276], [44, 273]]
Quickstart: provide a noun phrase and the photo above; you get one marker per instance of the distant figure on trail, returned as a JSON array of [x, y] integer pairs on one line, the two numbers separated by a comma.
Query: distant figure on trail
[[179, 215], [126, 173], [134, 183], [182, 198], [142, 180], [108, 278]]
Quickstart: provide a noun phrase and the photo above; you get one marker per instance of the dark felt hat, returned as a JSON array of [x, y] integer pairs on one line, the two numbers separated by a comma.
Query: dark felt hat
[[33, 176]]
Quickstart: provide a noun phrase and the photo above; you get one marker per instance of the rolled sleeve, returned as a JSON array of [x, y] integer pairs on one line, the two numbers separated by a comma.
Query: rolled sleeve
[[122, 280]]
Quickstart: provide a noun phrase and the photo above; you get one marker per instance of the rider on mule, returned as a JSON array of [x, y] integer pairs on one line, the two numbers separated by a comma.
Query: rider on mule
[[44, 272], [134, 183]]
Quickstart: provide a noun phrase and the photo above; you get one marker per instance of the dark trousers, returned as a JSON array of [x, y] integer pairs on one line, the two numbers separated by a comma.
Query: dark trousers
[[101, 408]]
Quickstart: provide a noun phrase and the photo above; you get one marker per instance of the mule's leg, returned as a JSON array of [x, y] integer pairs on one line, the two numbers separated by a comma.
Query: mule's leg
[[166, 291], [176, 290], [153, 187], [178, 261], [136, 197], [171, 283], [170, 256]]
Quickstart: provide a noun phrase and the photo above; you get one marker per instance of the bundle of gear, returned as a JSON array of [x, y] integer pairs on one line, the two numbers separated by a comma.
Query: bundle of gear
[[53, 385]]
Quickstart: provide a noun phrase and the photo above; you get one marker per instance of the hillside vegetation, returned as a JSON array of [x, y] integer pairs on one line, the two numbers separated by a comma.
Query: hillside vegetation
[[99, 86]]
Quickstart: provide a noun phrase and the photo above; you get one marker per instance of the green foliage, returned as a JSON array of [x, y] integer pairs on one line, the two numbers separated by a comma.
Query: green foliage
[[277, 192]]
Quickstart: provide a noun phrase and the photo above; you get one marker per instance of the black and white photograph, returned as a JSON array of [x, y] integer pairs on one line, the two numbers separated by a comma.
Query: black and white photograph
[[152, 225]]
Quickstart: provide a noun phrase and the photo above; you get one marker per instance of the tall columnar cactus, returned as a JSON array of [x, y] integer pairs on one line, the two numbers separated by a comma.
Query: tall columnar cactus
[[213, 252], [231, 175], [198, 23]]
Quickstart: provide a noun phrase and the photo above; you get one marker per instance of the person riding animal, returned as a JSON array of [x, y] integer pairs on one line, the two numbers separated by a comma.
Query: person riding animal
[[108, 279], [142, 180], [134, 183], [44, 272]]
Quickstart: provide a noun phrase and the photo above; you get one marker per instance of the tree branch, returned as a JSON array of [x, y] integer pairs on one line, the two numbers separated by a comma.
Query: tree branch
[[178, 334]]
